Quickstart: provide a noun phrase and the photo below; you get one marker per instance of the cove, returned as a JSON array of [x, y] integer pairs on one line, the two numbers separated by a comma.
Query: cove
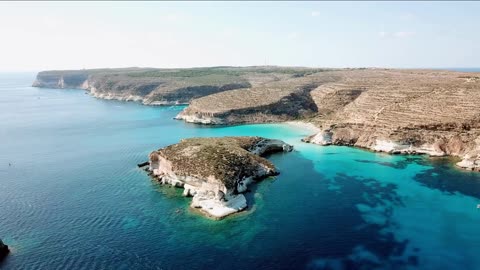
[[73, 198]]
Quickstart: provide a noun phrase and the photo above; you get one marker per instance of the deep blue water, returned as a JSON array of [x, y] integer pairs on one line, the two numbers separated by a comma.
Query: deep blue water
[[74, 199]]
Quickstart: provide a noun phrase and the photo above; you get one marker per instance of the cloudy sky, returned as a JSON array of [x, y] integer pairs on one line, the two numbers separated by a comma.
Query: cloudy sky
[[71, 35]]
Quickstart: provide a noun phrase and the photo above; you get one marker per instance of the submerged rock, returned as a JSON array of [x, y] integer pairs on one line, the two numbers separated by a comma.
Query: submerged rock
[[215, 171], [3, 250]]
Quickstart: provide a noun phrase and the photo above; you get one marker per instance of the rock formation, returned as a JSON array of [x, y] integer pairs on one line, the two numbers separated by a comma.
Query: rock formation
[[3, 250], [215, 171], [270, 101]]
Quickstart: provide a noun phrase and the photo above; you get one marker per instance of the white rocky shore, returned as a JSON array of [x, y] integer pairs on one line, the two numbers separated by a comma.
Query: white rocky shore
[[203, 119], [438, 147], [215, 171], [471, 163]]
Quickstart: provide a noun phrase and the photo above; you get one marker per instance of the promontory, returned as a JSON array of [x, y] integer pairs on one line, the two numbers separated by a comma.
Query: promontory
[[215, 171], [411, 111]]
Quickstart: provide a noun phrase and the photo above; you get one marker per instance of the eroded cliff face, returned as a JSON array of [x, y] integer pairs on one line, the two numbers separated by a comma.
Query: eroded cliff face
[[149, 86], [270, 101], [61, 79], [163, 86], [291, 105], [215, 171], [458, 143]]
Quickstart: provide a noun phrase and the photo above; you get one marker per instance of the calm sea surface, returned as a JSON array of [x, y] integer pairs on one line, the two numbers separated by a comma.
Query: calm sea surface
[[73, 198]]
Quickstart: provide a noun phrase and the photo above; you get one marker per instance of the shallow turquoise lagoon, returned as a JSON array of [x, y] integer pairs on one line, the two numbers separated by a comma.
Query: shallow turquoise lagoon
[[73, 198]]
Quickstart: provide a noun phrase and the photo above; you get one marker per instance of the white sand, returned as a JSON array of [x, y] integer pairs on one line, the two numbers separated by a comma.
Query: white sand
[[304, 125]]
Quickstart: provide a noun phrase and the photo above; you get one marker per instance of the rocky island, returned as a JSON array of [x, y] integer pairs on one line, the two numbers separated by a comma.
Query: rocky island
[[215, 171], [433, 112], [3, 250]]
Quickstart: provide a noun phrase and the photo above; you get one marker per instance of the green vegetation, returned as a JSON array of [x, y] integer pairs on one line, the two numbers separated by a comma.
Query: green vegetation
[[225, 71]]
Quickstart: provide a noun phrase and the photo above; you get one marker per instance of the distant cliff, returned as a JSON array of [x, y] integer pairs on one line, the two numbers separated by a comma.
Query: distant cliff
[[61, 79], [163, 86]]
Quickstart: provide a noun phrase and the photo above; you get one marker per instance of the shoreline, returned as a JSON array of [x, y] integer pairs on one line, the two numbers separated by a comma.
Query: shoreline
[[304, 125], [463, 164]]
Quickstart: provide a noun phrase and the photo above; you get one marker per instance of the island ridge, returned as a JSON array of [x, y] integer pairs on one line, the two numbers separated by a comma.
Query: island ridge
[[215, 171]]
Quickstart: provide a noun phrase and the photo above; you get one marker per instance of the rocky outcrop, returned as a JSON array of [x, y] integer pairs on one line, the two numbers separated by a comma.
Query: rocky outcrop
[[3, 250], [272, 101], [61, 79], [291, 104], [470, 162], [433, 144], [407, 112], [215, 171]]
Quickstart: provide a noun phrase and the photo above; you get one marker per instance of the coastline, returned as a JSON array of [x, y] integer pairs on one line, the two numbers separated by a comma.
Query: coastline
[[303, 125], [467, 162]]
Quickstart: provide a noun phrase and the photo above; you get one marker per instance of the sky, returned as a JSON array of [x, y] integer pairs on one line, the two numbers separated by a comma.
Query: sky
[[74, 35]]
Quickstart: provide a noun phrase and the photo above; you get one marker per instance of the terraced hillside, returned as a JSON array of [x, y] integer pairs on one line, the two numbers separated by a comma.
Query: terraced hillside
[[407, 111], [394, 100], [397, 111]]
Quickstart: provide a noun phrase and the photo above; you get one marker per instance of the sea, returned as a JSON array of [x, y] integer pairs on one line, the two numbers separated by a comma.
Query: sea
[[72, 197]]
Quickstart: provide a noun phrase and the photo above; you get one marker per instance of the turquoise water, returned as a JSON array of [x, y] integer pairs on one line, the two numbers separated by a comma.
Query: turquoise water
[[73, 198]]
